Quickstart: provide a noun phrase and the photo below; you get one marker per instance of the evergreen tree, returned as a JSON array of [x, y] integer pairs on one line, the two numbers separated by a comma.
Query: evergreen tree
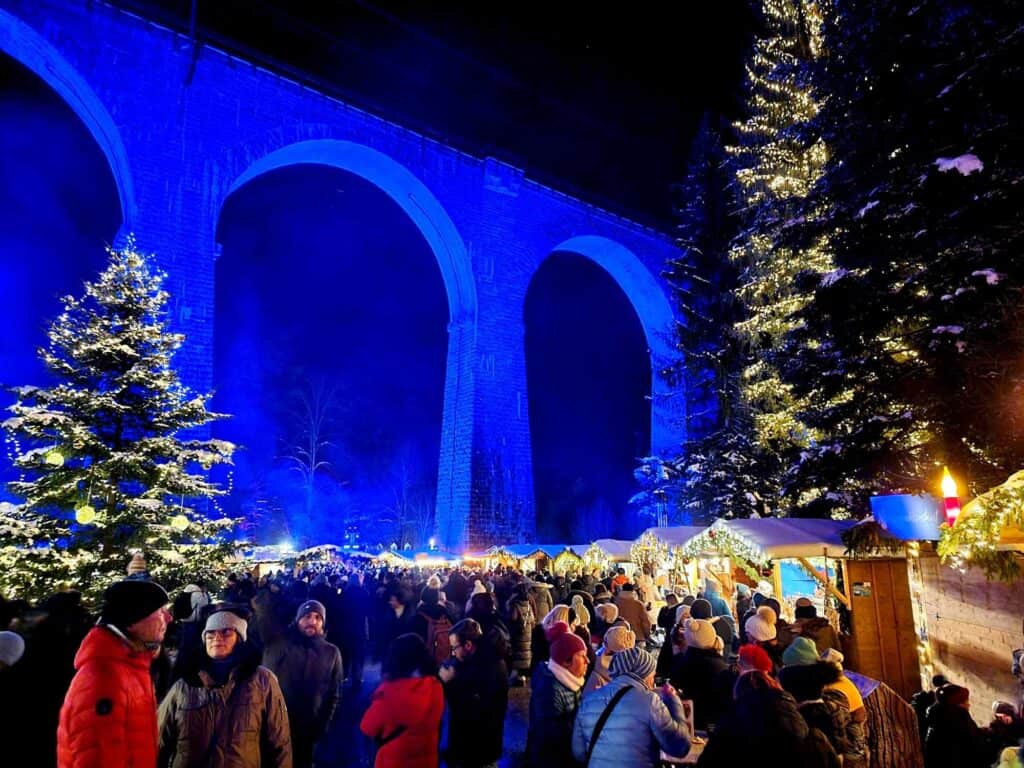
[[915, 342], [710, 477], [775, 167], [105, 469]]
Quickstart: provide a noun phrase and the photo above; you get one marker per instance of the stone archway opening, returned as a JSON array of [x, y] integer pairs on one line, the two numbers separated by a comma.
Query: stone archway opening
[[589, 383], [59, 206], [330, 351]]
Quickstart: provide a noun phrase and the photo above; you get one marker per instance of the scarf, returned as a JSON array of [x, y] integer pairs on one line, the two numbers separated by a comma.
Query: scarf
[[565, 677]]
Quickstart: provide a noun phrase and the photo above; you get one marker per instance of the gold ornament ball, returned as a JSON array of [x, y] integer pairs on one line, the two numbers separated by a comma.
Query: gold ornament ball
[[85, 514], [179, 522], [54, 457]]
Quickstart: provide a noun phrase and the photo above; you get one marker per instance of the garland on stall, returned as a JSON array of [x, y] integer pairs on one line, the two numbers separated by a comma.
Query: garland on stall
[[742, 552], [595, 557], [973, 541], [869, 538], [567, 561], [648, 552]]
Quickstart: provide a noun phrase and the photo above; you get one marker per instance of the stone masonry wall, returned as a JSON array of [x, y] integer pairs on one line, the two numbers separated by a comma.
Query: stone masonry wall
[[973, 626]]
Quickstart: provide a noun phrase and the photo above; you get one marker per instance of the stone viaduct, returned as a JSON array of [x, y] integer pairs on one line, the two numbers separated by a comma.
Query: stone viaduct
[[185, 125]]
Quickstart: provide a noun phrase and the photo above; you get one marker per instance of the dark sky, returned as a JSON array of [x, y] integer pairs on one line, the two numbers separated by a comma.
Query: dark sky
[[592, 99]]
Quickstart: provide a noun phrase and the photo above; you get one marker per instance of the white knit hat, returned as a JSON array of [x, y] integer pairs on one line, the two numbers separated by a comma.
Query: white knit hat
[[12, 646], [699, 633], [478, 588], [761, 626]]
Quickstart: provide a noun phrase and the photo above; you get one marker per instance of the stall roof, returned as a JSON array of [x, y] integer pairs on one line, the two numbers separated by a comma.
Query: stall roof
[[1010, 535], [616, 549], [791, 536], [676, 535], [526, 550]]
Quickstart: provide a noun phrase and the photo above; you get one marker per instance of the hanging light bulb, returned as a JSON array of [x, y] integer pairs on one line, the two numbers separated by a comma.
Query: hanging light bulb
[[54, 457], [179, 522]]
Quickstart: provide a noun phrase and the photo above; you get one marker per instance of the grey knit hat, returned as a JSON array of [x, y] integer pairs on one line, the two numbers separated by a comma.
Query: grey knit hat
[[312, 606], [227, 620], [633, 661]]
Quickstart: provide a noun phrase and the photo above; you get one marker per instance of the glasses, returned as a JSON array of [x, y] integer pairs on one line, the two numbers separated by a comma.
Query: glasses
[[212, 633]]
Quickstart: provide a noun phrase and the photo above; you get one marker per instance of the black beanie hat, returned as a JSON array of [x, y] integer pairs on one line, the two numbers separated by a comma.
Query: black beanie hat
[[126, 602]]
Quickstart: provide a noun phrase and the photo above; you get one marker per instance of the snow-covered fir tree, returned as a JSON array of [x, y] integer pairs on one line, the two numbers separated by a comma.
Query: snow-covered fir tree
[[106, 463], [775, 167], [711, 476], [916, 339]]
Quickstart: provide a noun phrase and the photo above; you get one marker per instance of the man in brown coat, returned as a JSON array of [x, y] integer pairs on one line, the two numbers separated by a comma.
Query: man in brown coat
[[634, 611]]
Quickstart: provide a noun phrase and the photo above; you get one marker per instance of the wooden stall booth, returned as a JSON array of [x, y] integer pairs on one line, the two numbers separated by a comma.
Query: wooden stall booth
[[867, 598], [661, 548]]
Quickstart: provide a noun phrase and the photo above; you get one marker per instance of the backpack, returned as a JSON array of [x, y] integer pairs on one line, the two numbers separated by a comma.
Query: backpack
[[438, 644]]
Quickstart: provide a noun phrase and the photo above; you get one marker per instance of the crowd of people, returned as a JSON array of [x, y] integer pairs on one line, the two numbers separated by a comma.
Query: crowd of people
[[620, 673]]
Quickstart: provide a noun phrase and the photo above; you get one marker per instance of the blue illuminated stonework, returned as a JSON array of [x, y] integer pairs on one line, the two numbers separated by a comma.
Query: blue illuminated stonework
[[181, 135]]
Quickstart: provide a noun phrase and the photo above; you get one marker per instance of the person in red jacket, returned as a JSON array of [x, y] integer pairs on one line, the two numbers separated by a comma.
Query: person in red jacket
[[109, 712], [404, 716]]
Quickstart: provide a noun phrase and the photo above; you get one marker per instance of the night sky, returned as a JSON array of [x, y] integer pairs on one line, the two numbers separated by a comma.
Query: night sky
[[325, 286]]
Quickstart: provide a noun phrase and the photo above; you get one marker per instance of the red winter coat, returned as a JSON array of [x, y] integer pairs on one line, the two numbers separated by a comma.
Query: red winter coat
[[406, 715], [109, 713]]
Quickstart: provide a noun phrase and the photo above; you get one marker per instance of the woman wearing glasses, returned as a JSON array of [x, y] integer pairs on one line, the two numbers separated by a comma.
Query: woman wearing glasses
[[227, 710]]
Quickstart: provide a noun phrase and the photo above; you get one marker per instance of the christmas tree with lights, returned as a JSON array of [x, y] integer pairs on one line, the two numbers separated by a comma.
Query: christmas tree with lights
[[712, 476], [915, 339], [106, 468], [775, 168]]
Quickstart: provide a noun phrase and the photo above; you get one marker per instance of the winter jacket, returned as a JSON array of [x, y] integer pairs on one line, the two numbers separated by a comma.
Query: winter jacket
[[109, 712], [826, 710], [309, 672], [953, 740], [633, 611], [765, 728], [641, 725], [552, 713], [521, 623], [404, 720], [477, 699], [542, 602], [820, 631], [241, 724], [701, 674]]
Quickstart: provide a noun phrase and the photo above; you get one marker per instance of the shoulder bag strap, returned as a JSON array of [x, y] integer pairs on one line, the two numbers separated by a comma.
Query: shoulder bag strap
[[604, 719]]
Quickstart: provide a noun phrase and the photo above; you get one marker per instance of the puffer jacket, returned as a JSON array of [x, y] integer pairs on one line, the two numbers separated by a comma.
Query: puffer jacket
[[404, 719], [109, 712], [521, 622], [552, 713], [309, 672], [249, 709], [642, 724]]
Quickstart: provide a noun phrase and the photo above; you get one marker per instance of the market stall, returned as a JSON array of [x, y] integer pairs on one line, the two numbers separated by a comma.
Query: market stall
[[660, 549], [420, 558]]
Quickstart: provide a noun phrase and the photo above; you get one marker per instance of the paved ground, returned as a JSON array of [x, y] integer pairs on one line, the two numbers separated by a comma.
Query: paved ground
[[346, 747]]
